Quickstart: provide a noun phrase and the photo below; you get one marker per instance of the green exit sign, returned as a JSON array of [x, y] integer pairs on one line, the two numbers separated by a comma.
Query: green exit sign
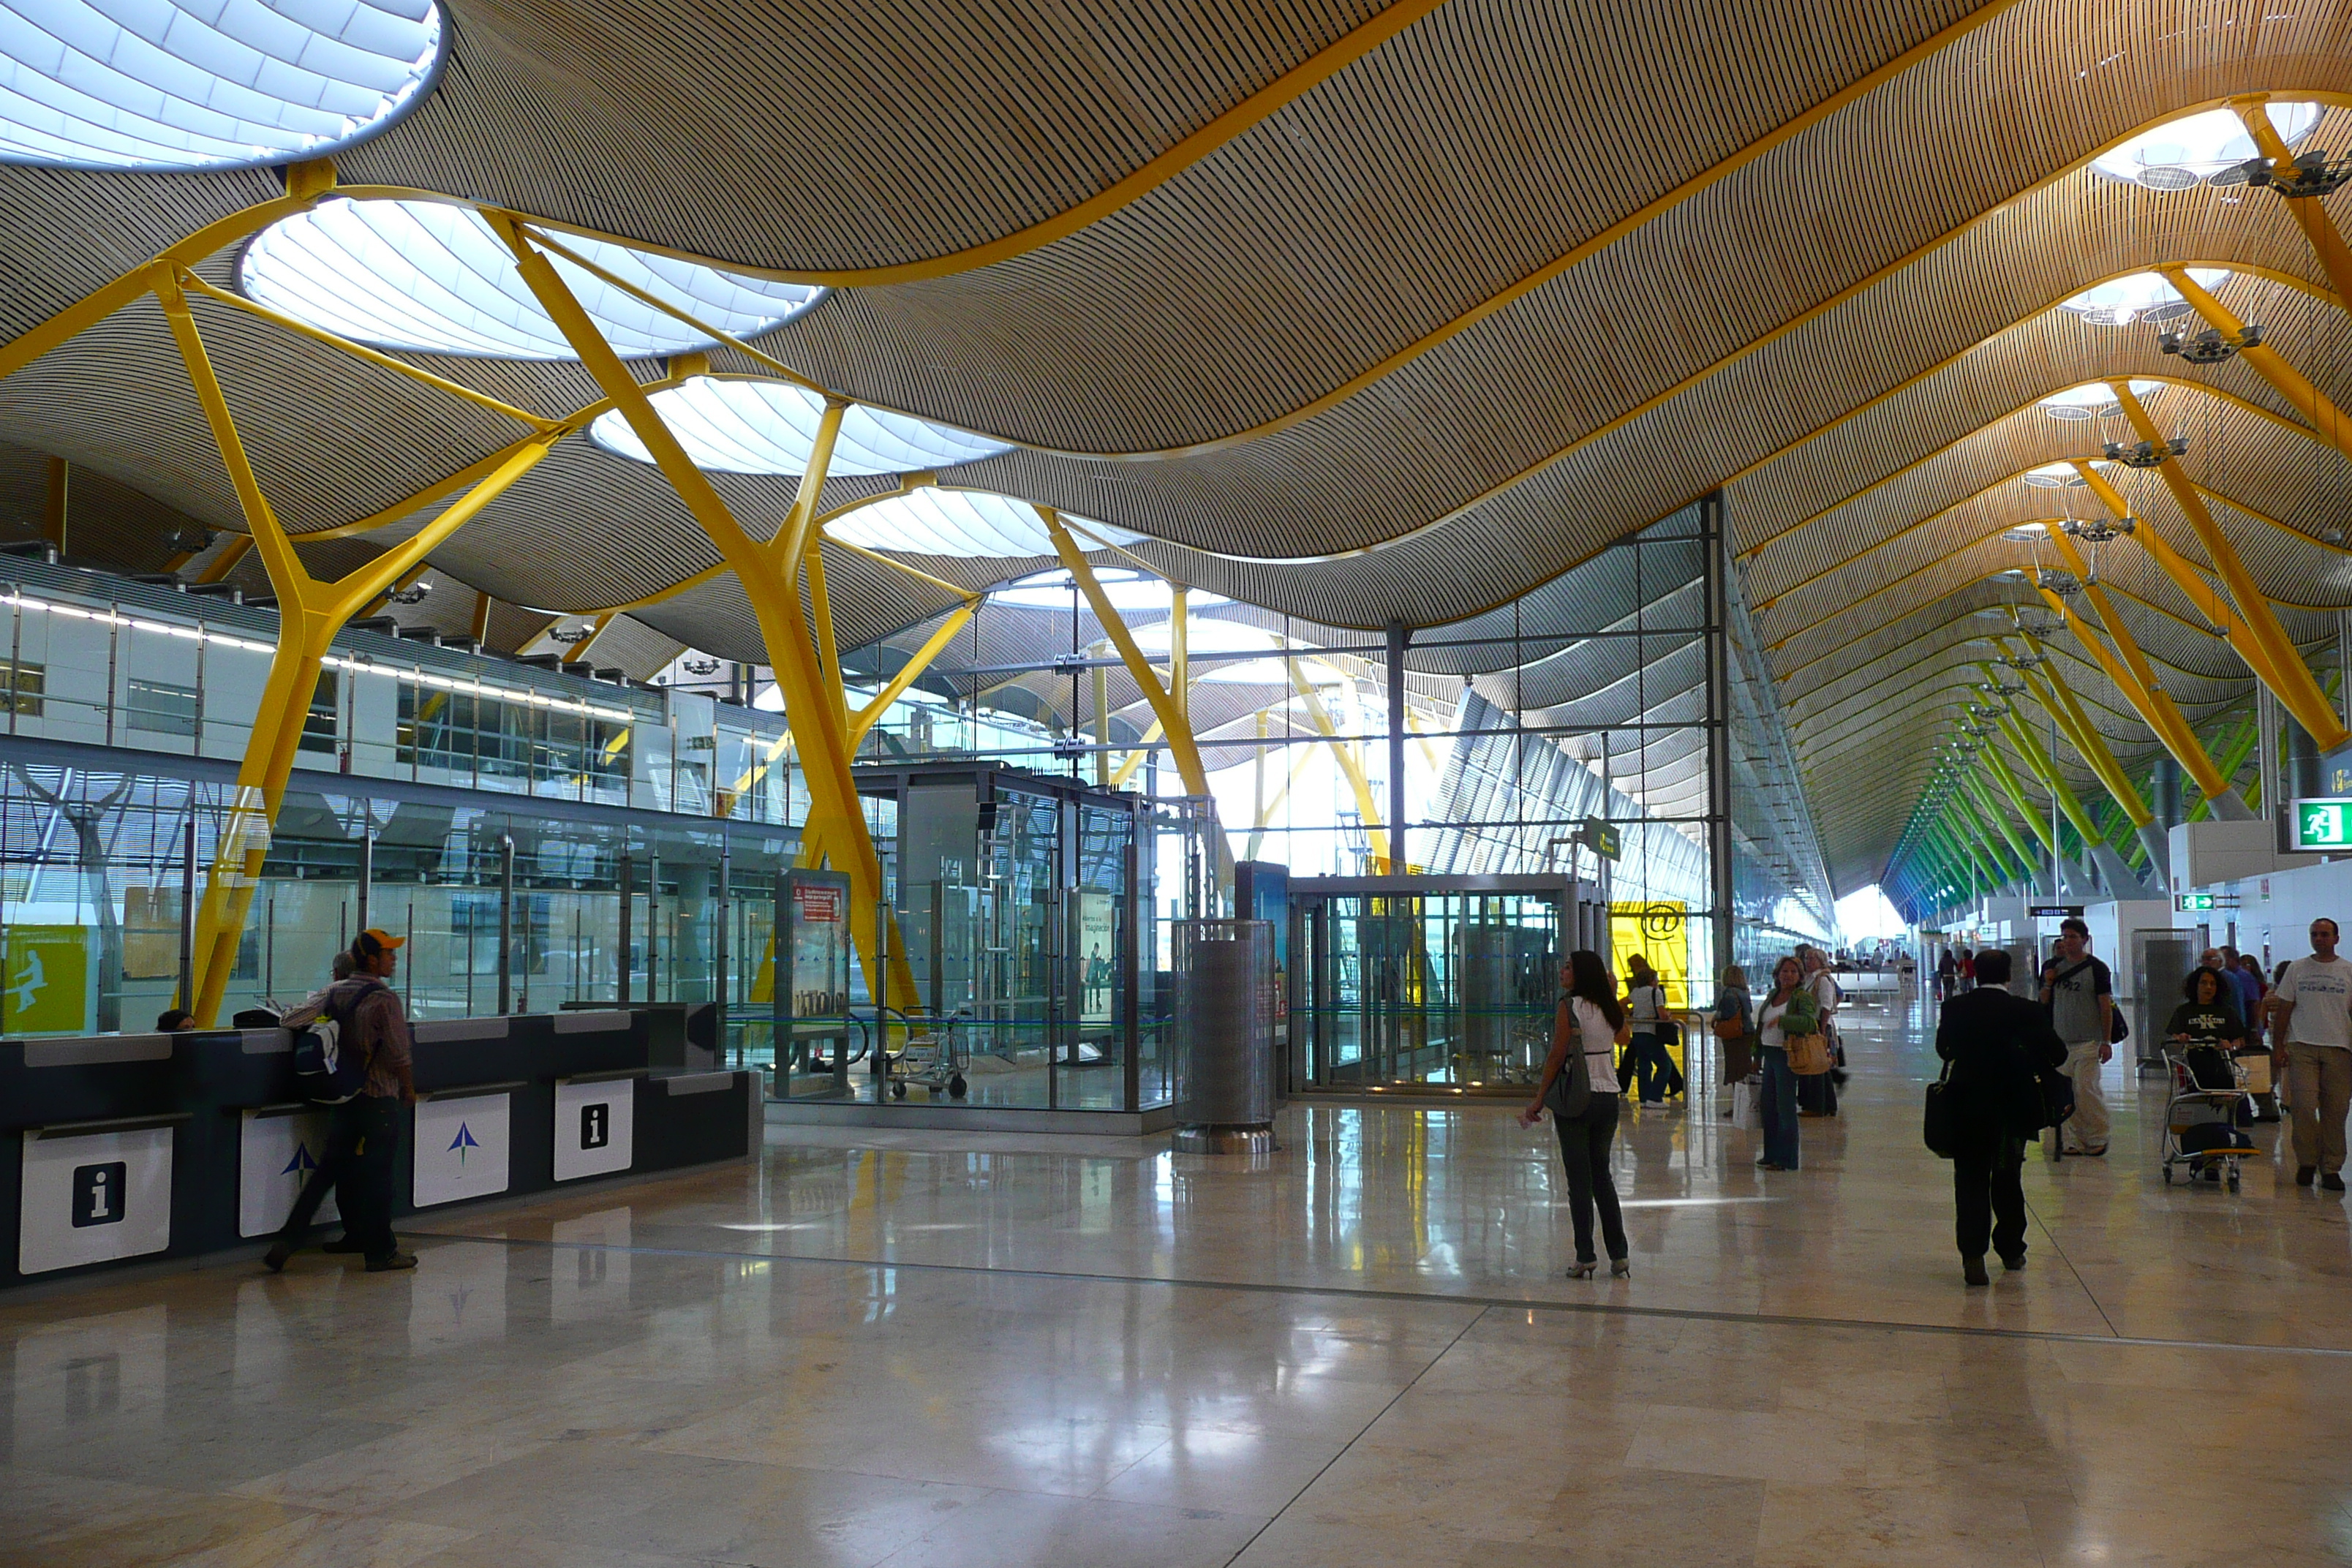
[[2323, 824]]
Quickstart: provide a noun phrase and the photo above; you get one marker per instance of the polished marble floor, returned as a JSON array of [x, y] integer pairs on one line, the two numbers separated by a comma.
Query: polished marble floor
[[877, 1347]]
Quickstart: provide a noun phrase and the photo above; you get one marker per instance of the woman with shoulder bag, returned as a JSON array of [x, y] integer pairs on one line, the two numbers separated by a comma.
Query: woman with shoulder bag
[[1735, 1029], [1579, 1087], [1789, 1010]]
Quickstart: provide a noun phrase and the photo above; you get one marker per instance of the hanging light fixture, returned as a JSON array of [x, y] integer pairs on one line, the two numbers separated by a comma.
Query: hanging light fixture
[[2210, 346], [2147, 454]]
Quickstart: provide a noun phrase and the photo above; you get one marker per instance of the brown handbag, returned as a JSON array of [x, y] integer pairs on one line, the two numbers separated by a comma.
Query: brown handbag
[[1808, 1055]]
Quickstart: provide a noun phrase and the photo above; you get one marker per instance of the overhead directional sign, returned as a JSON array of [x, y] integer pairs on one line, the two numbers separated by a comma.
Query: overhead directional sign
[[2323, 824], [2197, 904], [1601, 838]]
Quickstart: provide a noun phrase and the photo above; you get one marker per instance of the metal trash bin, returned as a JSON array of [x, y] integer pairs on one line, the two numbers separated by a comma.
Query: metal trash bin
[[1225, 1073]]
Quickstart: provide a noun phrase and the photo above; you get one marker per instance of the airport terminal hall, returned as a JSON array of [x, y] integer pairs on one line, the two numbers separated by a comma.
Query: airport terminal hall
[[1168, 784]]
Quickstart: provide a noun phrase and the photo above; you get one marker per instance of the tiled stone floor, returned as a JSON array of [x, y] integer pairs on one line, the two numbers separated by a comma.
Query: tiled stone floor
[[933, 1349]]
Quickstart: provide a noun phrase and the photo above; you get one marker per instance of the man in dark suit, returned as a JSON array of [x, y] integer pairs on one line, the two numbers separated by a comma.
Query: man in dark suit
[[1999, 1045]]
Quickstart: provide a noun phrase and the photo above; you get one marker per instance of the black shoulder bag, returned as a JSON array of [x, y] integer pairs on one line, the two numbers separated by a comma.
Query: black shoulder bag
[[1571, 1089]]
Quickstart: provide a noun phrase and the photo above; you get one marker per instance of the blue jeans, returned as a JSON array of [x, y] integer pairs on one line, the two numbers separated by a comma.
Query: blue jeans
[[1653, 1069], [1778, 1102]]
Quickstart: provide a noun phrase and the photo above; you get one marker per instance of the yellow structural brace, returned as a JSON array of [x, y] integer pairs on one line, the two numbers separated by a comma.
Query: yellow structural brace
[[769, 572], [2134, 677], [2324, 417], [2051, 690], [1350, 763], [2287, 675], [1167, 704], [2326, 239], [311, 612]]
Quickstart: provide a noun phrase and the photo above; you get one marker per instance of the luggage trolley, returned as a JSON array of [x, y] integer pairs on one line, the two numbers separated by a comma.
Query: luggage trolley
[[932, 1057], [2202, 1114]]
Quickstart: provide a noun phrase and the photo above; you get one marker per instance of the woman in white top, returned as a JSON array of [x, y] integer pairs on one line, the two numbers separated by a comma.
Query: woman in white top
[[1590, 1021]]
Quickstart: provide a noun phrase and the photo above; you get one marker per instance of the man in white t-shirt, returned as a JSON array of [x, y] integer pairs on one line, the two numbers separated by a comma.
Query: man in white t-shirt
[[2312, 1009]]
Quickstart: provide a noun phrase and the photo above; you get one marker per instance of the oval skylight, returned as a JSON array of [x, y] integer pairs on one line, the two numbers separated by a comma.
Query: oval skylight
[[931, 521], [2141, 297], [1130, 591], [176, 85], [2054, 477], [769, 427], [2181, 152], [2093, 399], [432, 278]]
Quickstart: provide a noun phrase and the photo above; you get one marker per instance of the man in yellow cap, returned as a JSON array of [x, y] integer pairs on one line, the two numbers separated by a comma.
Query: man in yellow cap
[[363, 1133]]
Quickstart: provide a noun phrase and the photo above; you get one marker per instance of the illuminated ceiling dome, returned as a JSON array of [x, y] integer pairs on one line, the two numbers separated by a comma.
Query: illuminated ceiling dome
[[2055, 477], [206, 84], [2141, 297], [769, 427], [2179, 154], [957, 522], [2093, 399], [431, 277]]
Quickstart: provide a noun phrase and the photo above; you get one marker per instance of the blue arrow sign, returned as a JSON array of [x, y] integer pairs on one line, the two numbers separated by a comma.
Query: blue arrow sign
[[463, 1141], [300, 1163]]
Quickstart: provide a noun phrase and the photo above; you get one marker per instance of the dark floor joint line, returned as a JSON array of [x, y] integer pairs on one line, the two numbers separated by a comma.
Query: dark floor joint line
[[1417, 1297]]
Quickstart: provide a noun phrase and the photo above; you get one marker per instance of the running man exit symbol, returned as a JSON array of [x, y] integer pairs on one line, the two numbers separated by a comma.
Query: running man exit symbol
[[97, 1193], [596, 1125], [463, 1141]]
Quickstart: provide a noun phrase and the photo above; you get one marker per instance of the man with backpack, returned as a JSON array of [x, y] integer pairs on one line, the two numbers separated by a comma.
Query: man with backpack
[[362, 1131], [2080, 993]]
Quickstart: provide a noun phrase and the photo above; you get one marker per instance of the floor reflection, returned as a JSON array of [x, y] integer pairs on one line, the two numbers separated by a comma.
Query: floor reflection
[[940, 1347]]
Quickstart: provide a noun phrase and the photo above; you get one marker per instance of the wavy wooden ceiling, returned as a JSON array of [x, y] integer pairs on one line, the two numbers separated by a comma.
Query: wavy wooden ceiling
[[1805, 253]]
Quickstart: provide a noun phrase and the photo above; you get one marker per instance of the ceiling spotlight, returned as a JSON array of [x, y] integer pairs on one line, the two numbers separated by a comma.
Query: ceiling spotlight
[[2062, 583], [2098, 531], [2210, 346], [415, 594], [568, 635], [2147, 454], [698, 666]]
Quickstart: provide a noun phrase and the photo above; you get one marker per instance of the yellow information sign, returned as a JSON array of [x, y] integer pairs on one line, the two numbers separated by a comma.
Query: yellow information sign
[[46, 980]]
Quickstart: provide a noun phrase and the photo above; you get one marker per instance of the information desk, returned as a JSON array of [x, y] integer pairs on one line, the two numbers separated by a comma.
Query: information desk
[[119, 1148]]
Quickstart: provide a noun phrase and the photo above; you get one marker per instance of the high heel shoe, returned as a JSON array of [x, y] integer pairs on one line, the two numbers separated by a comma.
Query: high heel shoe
[[1581, 1270], [1621, 1268]]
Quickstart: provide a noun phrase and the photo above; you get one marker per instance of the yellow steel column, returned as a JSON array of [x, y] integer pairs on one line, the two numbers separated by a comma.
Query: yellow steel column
[[2058, 701], [863, 720], [2045, 768], [578, 652], [2006, 781], [2290, 382], [828, 652], [2326, 239], [1991, 826], [1102, 727], [2140, 685], [769, 576], [309, 615], [2289, 676], [1179, 649], [1166, 704], [1350, 763]]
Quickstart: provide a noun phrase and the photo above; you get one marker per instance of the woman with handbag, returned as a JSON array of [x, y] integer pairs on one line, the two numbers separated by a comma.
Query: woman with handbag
[[1579, 1087], [1789, 1012], [1735, 1030]]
